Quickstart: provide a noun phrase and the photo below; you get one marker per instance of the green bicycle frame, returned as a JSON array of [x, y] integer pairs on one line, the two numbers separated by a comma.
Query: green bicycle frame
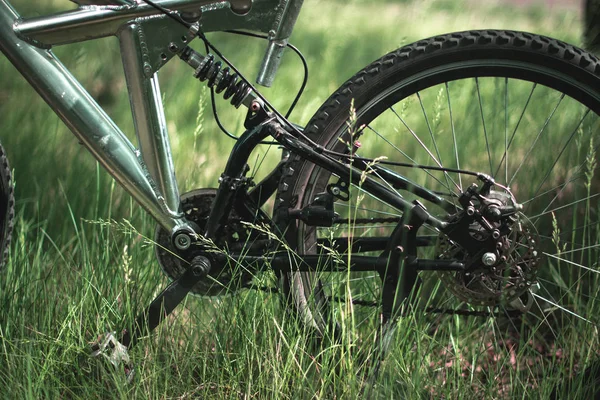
[[148, 40]]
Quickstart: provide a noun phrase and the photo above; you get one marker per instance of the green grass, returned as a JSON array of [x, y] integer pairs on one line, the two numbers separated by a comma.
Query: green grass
[[71, 277]]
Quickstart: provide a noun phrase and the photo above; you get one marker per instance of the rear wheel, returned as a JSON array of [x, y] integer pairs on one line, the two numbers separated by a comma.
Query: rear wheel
[[521, 108]]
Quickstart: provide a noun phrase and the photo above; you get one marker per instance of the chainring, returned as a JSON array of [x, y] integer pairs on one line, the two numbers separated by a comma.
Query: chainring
[[509, 279], [221, 280]]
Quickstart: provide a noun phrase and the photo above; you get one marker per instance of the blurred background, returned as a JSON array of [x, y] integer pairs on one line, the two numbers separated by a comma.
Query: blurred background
[[73, 274], [337, 37]]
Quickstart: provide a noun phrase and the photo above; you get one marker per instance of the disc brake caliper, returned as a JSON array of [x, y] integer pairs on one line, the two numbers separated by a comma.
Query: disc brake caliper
[[497, 243]]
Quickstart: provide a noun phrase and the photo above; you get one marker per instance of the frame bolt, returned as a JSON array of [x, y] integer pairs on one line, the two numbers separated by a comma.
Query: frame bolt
[[147, 69], [183, 241], [254, 106], [470, 211], [496, 234], [488, 259], [335, 191], [173, 47]]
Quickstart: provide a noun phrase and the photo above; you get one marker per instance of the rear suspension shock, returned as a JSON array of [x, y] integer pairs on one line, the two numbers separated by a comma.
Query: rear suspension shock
[[211, 71]]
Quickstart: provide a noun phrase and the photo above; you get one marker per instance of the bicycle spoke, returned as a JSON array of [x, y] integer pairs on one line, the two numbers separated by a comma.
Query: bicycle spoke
[[360, 189], [594, 246], [569, 232], [505, 156], [568, 290], [407, 156], [505, 131], [562, 308], [454, 137], [571, 262], [562, 96], [561, 186], [437, 151], [557, 196], [563, 206], [422, 145], [569, 243], [547, 282], [580, 168], [561, 152], [373, 171], [487, 144], [544, 319]]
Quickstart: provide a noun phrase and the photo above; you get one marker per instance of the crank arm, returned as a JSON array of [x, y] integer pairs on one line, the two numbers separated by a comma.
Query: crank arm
[[165, 302]]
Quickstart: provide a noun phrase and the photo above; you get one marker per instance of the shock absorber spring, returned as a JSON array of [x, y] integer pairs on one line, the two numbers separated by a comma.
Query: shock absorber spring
[[222, 80]]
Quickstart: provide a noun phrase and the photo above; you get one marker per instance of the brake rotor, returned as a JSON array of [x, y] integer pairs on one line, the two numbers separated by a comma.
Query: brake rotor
[[228, 278]]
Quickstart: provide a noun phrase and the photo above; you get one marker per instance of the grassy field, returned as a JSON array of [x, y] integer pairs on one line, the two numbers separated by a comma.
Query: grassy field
[[72, 276]]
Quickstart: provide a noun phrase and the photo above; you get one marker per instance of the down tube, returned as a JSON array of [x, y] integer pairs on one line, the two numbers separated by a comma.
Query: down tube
[[84, 117]]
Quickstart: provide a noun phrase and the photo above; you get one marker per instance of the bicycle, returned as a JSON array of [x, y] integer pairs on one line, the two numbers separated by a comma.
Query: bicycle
[[501, 229]]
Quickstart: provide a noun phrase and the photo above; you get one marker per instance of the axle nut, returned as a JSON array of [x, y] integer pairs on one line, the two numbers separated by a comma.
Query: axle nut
[[488, 259]]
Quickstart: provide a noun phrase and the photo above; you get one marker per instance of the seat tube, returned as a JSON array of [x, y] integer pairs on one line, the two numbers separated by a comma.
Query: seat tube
[[280, 32], [148, 113]]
